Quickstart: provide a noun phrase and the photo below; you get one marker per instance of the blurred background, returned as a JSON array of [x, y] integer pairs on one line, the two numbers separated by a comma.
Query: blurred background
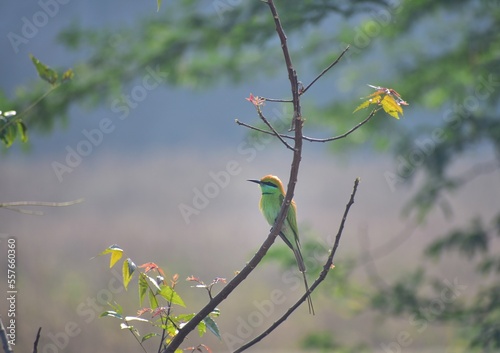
[[147, 125]]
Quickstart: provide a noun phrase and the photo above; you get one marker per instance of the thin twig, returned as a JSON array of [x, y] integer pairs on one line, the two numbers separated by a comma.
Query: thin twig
[[38, 100], [326, 268], [346, 133], [325, 70], [14, 206], [279, 100], [275, 133], [312, 139], [35, 344]]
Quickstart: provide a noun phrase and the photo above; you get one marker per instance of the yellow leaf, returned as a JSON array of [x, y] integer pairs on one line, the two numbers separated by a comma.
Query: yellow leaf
[[116, 254], [68, 75], [363, 105], [374, 98], [375, 95], [128, 270], [387, 98], [391, 107]]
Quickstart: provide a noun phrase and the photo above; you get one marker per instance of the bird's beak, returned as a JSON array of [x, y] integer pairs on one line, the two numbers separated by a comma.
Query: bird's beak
[[255, 181]]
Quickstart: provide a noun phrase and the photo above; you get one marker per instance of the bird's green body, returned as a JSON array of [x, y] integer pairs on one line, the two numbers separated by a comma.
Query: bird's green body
[[272, 198]]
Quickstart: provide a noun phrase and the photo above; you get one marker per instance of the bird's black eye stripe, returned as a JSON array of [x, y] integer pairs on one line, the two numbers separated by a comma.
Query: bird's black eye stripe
[[268, 183]]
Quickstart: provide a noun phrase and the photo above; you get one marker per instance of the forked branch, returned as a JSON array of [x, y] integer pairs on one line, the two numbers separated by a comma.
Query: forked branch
[[297, 122], [297, 152], [313, 139]]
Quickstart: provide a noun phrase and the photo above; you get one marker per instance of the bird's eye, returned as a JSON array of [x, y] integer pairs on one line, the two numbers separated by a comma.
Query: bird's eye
[[268, 183]]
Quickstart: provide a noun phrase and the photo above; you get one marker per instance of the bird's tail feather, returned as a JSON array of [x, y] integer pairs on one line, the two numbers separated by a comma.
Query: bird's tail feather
[[309, 300], [302, 268]]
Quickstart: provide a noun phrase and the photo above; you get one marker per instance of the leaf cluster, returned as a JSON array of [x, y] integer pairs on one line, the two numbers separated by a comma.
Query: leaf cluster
[[162, 300], [12, 124]]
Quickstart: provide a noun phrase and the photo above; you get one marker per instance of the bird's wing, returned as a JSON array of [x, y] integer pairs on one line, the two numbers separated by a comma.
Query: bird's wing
[[291, 224]]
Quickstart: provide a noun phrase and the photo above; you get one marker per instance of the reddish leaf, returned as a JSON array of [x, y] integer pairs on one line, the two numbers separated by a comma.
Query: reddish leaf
[[255, 100]]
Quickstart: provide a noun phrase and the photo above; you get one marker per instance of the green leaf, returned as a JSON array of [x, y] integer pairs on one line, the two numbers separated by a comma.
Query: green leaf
[[143, 287], [8, 134], [170, 295], [202, 328], [128, 270], [171, 329], [391, 107], [148, 336], [111, 313], [116, 307], [11, 127], [45, 72], [116, 254], [153, 302], [182, 318], [363, 105], [212, 326], [158, 5], [21, 128], [68, 75]]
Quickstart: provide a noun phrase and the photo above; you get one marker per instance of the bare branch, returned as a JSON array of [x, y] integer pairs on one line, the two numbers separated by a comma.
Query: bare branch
[[14, 206], [256, 128], [35, 344], [325, 70], [312, 139], [346, 133], [279, 100], [326, 268], [275, 133]]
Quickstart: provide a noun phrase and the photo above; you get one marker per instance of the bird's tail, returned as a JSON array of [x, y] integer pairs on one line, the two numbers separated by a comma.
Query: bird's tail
[[302, 269], [309, 300]]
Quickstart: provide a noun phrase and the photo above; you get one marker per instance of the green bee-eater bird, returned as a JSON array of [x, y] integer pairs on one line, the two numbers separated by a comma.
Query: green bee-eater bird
[[272, 198]]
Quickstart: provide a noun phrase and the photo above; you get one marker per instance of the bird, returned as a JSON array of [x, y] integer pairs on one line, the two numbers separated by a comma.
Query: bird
[[271, 200]]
